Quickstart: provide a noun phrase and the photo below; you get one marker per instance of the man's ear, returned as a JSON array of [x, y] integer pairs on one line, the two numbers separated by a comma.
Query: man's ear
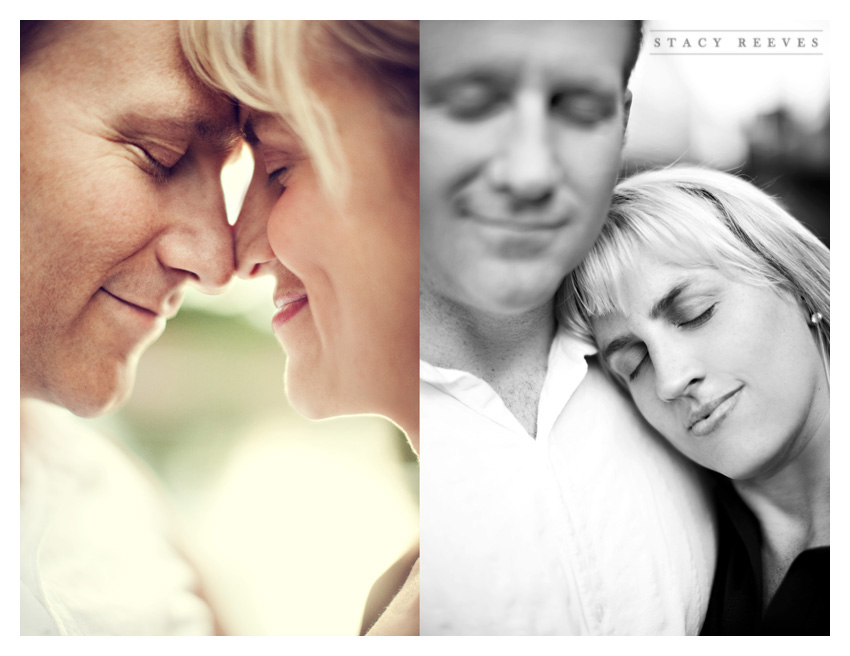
[[627, 107]]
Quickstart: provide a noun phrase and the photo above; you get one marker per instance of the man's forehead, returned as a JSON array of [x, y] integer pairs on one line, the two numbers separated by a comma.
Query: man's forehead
[[133, 72], [165, 95], [563, 48]]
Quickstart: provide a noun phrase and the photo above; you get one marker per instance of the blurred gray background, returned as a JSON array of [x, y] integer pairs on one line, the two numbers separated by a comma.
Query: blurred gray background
[[758, 110]]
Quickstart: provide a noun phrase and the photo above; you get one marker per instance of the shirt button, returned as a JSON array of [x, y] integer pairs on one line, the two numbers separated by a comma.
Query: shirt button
[[599, 613]]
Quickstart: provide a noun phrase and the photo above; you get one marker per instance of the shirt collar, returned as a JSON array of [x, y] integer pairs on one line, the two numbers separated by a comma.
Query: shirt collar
[[566, 369]]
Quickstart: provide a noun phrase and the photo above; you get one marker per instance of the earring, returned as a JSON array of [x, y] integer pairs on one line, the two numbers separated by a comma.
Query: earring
[[815, 321]]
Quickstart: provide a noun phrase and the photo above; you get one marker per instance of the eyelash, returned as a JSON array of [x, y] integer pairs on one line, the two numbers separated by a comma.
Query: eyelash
[[639, 366], [583, 109], [274, 177], [696, 322], [161, 173]]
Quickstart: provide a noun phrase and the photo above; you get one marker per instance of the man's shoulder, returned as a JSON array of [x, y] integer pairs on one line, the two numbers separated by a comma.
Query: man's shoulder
[[599, 391], [602, 409], [76, 456]]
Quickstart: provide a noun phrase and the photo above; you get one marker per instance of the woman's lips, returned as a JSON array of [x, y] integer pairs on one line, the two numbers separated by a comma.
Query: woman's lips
[[706, 420], [288, 306]]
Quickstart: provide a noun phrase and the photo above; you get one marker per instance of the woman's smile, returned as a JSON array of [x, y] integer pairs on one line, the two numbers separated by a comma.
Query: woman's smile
[[288, 306], [709, 417]]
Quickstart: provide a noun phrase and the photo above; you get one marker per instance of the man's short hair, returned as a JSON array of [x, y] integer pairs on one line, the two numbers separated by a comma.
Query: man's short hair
[[32, 35], [634, 51]]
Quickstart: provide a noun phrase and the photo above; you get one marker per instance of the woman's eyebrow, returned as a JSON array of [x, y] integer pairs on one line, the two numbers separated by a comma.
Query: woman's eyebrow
[[248, 133], [272, 129], [664, 304], [615, 345]]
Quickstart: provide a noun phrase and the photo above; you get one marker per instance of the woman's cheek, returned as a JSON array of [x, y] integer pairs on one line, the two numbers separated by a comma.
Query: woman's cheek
[[291, 235]]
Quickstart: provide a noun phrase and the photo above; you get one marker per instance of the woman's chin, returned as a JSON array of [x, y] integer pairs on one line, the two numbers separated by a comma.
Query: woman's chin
[[309, 395]]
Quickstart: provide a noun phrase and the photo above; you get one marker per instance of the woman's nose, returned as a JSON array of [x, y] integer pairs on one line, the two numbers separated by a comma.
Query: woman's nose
[[677, 371], [251, 243]]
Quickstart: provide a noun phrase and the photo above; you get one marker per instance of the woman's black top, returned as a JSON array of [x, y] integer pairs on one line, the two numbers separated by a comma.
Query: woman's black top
[[799, 607]]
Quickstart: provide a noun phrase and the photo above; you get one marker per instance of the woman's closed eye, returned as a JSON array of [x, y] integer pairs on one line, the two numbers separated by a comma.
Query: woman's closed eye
[[637, 369], [689, 324], [699, 320], [279, 177]]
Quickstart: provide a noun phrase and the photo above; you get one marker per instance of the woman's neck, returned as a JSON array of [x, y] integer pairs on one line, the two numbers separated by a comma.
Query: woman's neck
[[413, 438], [791, 500], [791, 504]]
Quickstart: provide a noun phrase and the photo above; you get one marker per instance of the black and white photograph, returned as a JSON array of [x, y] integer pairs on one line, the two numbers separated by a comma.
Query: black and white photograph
[[624, 328]]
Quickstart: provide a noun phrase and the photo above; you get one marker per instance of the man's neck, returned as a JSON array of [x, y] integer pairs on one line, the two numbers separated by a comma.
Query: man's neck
[[509, 352]]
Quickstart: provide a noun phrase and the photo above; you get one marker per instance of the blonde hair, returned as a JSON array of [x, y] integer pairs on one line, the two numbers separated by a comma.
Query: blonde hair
[[266, 65], [694, 217]]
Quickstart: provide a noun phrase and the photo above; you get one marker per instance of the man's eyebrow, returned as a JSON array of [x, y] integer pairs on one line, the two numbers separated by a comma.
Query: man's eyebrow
[[441, 82], [220, 134], [663, 305]]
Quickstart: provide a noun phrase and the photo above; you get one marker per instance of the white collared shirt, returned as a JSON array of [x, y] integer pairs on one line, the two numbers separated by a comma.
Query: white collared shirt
[[99, 555], [595, 527]]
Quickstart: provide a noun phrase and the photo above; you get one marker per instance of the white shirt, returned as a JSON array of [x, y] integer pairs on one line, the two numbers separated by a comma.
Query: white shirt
[[98, 556], [595, 527]]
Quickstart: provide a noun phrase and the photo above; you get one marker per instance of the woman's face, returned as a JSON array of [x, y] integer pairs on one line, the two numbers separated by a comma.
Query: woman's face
[[728, 373], [347, 275]]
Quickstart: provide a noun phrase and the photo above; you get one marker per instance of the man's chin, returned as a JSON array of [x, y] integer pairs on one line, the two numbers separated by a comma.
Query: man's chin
[[95, 392], [509, 299]]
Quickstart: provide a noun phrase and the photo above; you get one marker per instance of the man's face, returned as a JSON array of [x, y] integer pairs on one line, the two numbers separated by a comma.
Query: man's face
[[121, 204], [521, 132]]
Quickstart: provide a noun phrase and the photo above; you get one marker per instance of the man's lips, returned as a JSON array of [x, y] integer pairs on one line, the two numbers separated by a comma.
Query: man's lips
[[704, 419], [519, 223], [514, 215]]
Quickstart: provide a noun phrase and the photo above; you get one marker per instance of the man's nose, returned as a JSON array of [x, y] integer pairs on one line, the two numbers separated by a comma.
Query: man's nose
[[677, 371], [199, 240], [527, 165], [252, 248]]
